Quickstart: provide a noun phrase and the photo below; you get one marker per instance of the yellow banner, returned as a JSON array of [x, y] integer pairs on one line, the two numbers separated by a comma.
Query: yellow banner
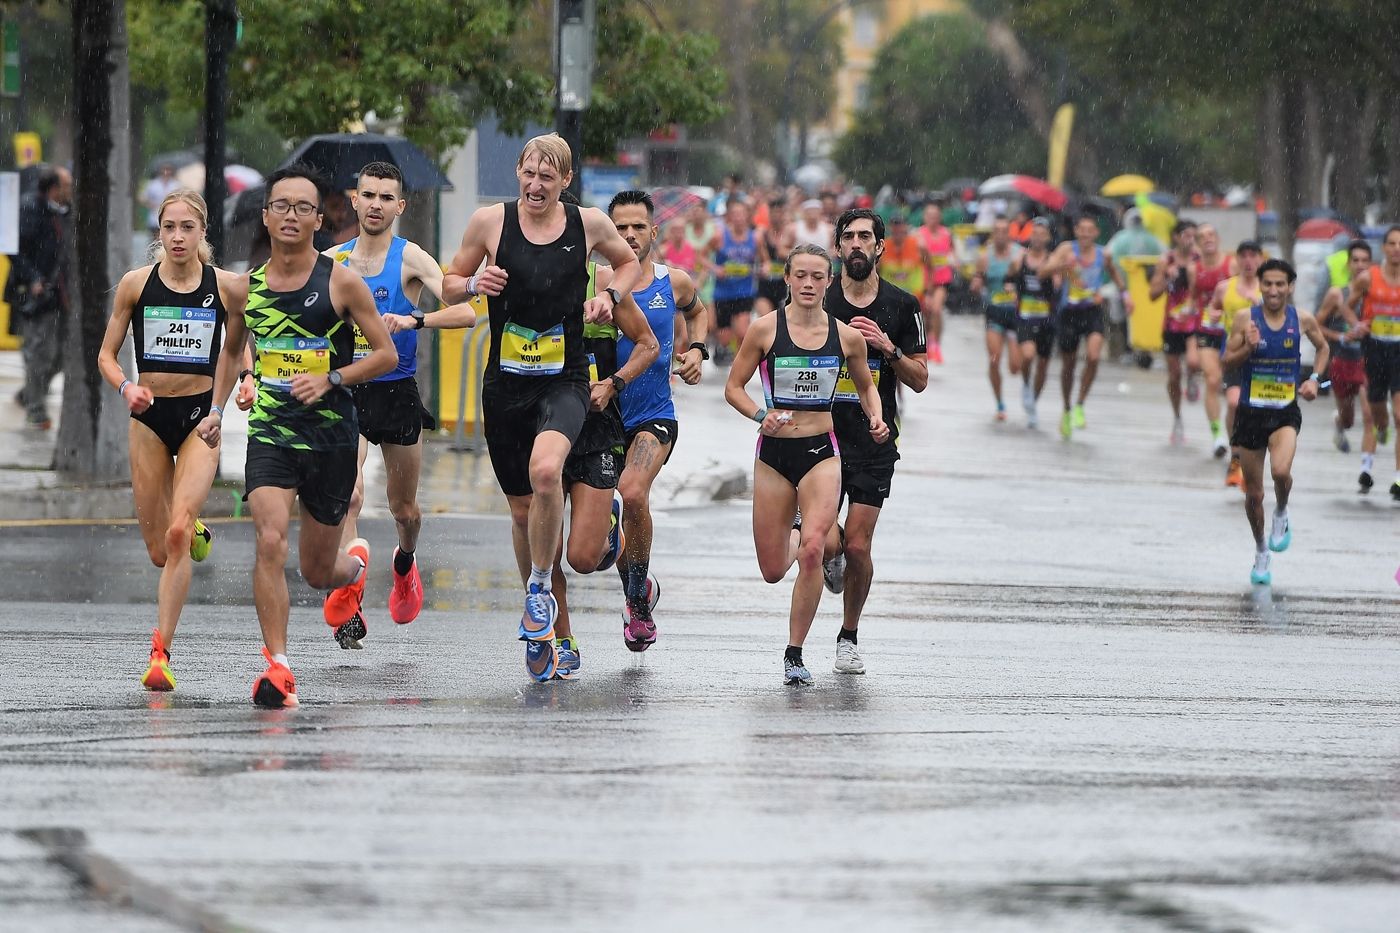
[[29, 150], [1059, 144]]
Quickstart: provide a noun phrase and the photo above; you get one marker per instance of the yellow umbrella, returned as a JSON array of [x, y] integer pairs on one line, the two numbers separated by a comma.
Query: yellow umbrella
[[1125, 186]]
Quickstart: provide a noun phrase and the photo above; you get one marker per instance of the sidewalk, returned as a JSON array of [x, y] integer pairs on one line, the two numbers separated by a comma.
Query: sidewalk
[[459, 483]]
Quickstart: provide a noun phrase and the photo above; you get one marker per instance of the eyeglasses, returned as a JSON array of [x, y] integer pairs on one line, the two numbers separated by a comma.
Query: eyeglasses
[[282, 206]]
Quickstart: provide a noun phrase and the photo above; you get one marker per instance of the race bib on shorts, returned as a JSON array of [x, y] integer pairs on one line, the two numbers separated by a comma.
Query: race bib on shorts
[[846, 386], [281, 359], [179, 335], [526, 352]]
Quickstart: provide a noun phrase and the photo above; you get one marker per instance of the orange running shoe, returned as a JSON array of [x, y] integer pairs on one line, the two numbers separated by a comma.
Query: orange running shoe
[[406, 597], [158, 675], [275, 688], [935, 353], [342, 603], [1235, 476]]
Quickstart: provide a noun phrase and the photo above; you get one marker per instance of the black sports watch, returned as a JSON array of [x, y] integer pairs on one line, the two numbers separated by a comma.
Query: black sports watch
[[618, 383], [896, 355], [337, 380], [420, 320], [615, 295], [704, 350]]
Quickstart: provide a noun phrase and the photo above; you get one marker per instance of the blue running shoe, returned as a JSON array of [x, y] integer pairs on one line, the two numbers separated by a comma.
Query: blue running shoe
[[1260, 575], [1281, 535], [541, 660], [570, 659], [537, 622], [616, 540], [794, 674]]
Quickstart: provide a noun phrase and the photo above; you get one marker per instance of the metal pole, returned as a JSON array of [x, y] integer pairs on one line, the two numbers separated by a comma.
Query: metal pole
[[573, 76], [220, 30]]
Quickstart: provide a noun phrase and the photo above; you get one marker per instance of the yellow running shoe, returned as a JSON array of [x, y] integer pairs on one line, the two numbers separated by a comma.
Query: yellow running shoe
[[158, 675], [201, 541]]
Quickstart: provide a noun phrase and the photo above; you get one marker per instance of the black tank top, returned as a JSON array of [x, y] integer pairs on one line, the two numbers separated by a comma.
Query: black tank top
[[1036, 294], [799, 379], [178, 332], [537, 319]]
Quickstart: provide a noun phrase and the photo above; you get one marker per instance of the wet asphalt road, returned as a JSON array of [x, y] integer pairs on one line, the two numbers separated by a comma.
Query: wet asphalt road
[[1078, 715]]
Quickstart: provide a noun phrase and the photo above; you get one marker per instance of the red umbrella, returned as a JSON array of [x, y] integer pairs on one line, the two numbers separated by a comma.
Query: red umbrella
[[1322, 228], [671, 203], [1034, 189]]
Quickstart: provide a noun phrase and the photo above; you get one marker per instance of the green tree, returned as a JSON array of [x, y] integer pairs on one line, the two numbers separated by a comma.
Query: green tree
[[321, 65], [940, 105]]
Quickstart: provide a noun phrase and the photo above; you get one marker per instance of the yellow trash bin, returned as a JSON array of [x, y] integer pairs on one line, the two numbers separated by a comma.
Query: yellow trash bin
[[1145, 325], [8, 341]]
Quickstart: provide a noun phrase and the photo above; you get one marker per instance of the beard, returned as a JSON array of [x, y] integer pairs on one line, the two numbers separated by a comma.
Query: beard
[[859, 266]]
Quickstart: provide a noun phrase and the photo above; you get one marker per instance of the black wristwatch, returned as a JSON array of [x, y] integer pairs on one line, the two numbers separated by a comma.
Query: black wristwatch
[[895, 357], [615, 295], [420, 320], [244, 374], [618, 383], [704, 350], [337, 380]]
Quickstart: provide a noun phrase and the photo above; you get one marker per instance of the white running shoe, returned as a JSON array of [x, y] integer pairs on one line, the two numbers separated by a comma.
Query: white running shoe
[[1178, 434], [1260, 574], [1028, 398], [834, 570], [1339, 436], [1281, 534], [848, 659], [1221, 446]]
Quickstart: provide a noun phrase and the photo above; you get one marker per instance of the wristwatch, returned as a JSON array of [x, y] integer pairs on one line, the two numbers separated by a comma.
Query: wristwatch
[[336, 379], [420, 320], [615, 295], [896, 356], [618, 383], [244, 374], [704, 350]]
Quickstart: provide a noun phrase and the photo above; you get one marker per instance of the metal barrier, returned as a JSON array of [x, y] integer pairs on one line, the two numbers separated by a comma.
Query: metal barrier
[[474, 352]]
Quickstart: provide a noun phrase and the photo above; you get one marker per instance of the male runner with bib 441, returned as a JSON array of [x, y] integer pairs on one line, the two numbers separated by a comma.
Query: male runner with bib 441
[[535, 391], [302, 433], [390, 414], [892, 325]]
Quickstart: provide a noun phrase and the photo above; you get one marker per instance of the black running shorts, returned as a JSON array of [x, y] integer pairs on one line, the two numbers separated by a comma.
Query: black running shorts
[[1254, 426], [173, 418], [1076, 323], [515, 417], [391, 412], [323, 479], [1382, 369]]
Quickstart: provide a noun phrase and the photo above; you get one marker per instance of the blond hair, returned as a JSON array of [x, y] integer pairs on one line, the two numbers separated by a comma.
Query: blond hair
[[204, 252], [552, 150]]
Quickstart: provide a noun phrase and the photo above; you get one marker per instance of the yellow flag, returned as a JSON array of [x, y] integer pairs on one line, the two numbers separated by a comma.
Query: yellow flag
[[1059, 144]]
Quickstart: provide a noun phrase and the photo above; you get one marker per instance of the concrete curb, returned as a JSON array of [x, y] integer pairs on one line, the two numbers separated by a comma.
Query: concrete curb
[[712, 483], [50, 498]]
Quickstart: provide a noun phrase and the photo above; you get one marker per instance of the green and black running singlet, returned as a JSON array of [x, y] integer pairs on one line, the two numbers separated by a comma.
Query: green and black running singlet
[[537, 319], [602, 430], [299, 332]]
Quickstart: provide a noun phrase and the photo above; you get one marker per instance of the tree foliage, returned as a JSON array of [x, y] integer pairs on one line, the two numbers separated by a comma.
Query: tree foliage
[[318, 66]]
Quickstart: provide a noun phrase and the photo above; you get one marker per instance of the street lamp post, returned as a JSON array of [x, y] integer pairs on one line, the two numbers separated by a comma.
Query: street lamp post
[[220, 34], [573, 76]]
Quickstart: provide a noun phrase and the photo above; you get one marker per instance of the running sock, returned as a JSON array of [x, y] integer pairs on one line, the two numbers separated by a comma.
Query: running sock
[[1368, 461], [403, 562], [847, 634], [1215, 429], [280, 659], [793, 654], [635, 585], [540, 578]]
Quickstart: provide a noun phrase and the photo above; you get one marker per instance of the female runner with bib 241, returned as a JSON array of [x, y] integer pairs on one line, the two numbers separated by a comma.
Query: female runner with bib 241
[[175, 310], [800, 352]]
